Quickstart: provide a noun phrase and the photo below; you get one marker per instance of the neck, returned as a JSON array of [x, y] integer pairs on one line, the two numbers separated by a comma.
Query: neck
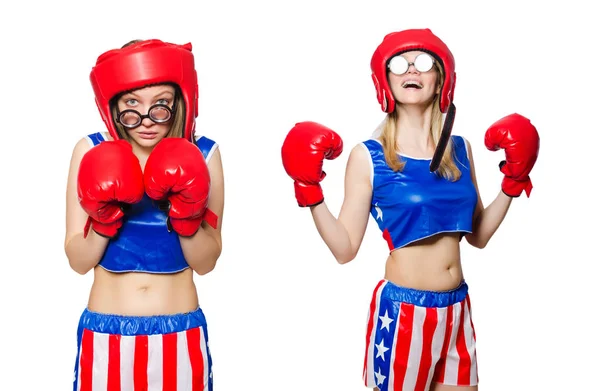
[[413, 126]]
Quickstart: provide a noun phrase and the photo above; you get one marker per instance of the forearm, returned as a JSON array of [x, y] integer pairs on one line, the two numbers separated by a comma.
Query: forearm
[[85, 253], [201, 251], [333, 233], [489, 220]]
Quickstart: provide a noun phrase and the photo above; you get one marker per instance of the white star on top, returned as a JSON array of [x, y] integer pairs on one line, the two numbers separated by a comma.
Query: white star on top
[[379, 213], [385, 321], [381, 349], [379, 376]]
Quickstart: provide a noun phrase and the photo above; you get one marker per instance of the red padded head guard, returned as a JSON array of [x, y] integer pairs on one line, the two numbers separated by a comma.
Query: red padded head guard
[[404, 41], [142, 64]]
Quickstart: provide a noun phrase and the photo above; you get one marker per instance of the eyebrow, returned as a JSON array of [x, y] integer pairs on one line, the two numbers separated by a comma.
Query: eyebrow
[[166, 92], [134, 95]]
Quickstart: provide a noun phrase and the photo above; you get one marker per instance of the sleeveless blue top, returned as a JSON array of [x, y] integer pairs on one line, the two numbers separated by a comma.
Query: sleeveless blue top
[[415, 203], [143, 243]]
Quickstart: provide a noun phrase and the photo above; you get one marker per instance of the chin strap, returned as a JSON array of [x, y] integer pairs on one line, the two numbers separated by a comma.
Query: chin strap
[[444, 138]]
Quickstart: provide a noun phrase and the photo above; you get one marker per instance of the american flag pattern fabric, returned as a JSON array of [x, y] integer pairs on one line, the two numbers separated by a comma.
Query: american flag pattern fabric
[[138, 353], [418, 337]]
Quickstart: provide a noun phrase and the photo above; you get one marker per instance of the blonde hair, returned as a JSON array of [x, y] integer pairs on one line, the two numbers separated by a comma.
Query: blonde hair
[[447, 168], [132, 42]]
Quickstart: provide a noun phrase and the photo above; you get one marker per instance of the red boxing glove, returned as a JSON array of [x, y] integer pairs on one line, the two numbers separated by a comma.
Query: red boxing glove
[[303, 151], [109, 178], [176, 171], [521, 143]]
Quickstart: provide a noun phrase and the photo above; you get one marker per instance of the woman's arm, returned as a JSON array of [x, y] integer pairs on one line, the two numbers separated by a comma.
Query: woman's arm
[[83, 254], [202, 250], [344, 235], [486, 220]]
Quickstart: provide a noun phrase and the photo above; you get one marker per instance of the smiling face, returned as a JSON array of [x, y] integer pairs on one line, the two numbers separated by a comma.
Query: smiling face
[[414, 87], [148, 133]]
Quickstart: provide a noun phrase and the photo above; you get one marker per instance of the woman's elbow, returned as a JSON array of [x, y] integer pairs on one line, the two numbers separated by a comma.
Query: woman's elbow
[[480, 245], [79, 267], [476, 242], [346, 257], [206, 268], [75, 266]]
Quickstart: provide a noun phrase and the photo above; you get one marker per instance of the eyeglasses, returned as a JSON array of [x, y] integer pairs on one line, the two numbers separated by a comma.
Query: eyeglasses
[[158, 113], [399, 65]]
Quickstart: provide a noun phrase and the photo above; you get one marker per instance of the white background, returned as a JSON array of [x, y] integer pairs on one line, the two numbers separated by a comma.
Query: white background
[[283, 315]]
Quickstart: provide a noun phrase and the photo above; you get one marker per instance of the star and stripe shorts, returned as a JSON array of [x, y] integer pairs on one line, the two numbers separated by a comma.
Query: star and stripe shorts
[[418, 337], [135, 353]]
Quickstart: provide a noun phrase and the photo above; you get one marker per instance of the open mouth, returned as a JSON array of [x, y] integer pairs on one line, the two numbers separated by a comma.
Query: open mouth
[[412, 84]]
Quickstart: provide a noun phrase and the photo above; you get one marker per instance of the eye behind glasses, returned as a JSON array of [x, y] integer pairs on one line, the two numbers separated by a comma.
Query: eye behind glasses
[[399, 65], [158, 113]]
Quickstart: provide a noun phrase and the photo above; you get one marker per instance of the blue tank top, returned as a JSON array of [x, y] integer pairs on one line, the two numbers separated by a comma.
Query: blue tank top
[[144, 244], [415, 204]]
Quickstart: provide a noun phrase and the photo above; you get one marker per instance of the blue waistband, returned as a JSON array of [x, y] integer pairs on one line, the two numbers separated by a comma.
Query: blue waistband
[[425, 298], [140, 325]]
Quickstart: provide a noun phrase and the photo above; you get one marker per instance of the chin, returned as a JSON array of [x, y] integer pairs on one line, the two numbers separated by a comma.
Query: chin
[[411, 101], [414, 100]]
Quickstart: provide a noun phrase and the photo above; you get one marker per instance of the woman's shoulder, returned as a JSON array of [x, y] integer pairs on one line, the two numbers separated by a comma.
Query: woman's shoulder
[[460, 141], [87, 142], [461, 146], [371, 147], [364, 153], [371, 143], [457, 138], [207, 146], [96, 138]]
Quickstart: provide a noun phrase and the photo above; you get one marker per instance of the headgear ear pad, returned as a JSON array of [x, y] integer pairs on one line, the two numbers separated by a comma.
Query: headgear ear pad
[[141, 64]]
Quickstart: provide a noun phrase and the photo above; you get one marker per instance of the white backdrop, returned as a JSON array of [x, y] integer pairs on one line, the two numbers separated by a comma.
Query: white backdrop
[[283, 315]]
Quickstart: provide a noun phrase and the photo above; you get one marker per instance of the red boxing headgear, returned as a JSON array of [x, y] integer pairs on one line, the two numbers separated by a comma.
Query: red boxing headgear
[[404, 41], [142, 64]]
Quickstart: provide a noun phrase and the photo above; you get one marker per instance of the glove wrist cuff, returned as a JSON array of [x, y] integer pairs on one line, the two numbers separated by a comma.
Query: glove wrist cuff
[[185, 227], [308, 195], [108, 231], [514, 188]]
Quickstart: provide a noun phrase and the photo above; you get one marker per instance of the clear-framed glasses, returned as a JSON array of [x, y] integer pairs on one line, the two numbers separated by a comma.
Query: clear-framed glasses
[[158, 113], [399, 65]]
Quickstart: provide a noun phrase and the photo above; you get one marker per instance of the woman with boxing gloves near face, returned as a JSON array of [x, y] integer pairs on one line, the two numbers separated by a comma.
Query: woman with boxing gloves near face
[[144, 211], [418, 182]]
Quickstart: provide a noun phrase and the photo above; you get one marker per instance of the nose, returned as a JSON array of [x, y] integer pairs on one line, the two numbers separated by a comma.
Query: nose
[[147, 122], [412, 68]]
